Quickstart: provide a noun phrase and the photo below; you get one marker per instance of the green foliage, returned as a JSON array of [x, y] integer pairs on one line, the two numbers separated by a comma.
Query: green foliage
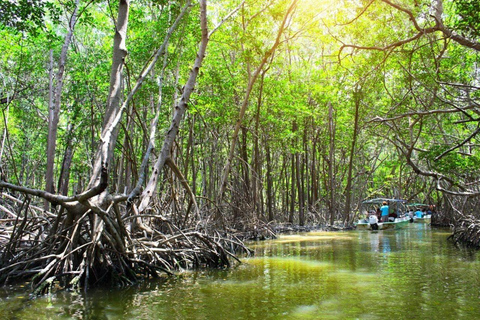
[[452, 163], [306, 75], [466, 18], [27, 15]]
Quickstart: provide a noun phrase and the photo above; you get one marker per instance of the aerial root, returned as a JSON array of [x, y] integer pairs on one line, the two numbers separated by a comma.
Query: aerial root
[[467, 233], [95, 248]]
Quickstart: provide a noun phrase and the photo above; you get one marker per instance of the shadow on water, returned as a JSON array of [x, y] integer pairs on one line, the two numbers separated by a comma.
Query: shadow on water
[[412, 273]]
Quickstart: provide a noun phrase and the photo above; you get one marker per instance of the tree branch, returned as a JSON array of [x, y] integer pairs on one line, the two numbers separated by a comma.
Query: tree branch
[[459, 145]]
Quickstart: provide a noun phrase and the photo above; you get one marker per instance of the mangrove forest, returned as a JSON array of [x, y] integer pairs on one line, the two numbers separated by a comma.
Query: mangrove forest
[[139, 138]]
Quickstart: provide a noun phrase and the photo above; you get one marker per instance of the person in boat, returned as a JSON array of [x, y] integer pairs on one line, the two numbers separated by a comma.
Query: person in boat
[[367, 215], [379, 214], [385, 210], [373, 221], [430, 209], [410, 214], [418, 213], [392, 216]]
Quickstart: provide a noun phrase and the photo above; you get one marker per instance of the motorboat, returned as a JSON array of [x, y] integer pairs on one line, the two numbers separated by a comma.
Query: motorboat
[[397, 218], [419, 213]]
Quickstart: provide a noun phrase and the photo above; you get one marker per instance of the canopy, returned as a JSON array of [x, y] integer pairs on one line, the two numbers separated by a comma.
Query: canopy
[[398, 205], [417, 205], [381, 200]]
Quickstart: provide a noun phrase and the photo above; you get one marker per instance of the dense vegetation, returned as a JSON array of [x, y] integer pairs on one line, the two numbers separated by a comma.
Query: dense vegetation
[[142, 136]]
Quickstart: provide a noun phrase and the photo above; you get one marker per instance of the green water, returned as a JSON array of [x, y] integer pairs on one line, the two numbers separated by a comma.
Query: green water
[[403, 274]]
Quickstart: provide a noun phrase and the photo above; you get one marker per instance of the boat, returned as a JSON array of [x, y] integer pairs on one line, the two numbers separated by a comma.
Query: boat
[[400, 220], [424, 217]]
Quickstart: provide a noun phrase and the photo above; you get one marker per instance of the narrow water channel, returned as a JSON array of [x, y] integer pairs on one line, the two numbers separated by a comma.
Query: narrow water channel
[[412, 273]]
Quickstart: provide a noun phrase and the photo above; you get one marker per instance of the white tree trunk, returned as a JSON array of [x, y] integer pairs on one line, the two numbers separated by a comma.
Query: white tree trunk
[[180, 109], [113, 111], [55, 102]]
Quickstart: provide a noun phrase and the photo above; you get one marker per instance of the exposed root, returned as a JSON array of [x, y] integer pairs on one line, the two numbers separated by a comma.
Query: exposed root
[[467, 233], [100, 247]]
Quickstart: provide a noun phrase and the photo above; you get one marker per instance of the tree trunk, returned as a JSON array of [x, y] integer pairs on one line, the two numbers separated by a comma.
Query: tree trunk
[[292, 189], [256, 181], [269, 182], [244, 164], [313, 172], [151, 143], [66, 164], [348, 188], [180, 109], [301, 212], [331, 165], [54, 104], [113, 111], [243, 108]]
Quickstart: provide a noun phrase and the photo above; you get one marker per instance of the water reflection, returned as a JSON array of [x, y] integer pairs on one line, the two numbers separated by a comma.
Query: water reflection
[[408, 274]]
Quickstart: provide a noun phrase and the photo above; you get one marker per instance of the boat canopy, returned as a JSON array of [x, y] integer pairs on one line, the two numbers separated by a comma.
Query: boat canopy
[[381, 200], [417, 205], [397, 205]]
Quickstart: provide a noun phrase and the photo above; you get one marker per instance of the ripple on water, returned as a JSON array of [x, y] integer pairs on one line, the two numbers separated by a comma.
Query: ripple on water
[[347, 275]]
